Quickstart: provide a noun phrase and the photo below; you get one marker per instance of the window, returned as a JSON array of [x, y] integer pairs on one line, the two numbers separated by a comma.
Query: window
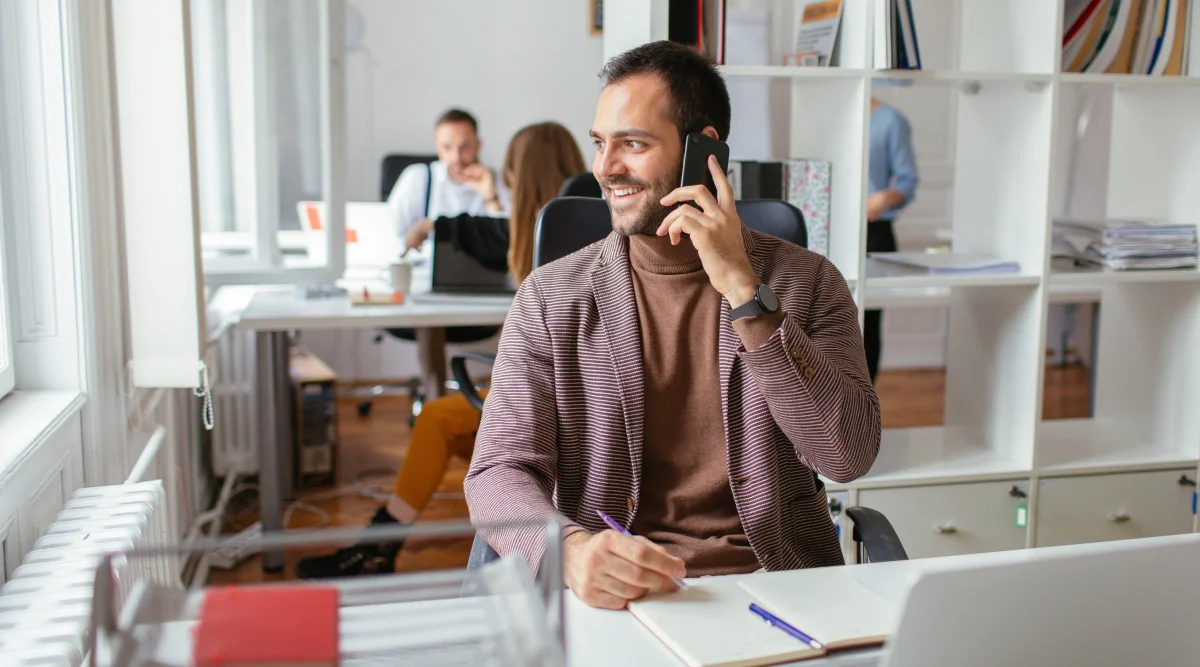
[[261, 103]]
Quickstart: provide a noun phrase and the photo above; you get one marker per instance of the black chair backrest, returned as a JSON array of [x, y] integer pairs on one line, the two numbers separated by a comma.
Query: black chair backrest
[[393, 165], [581, 185], [775, 217], [567, 224]]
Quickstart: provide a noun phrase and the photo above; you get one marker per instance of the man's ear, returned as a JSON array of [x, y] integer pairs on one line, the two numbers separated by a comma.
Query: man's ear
[[710, 132]]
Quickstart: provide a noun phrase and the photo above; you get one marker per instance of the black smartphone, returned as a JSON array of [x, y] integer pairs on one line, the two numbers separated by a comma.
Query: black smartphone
[[696, 149]]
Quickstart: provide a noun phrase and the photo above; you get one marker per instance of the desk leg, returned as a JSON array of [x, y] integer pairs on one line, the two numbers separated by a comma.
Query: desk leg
[[271, 357], [431, 347]]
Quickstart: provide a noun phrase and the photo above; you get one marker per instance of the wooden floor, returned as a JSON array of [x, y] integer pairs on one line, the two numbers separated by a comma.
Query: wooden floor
[[374, 447]]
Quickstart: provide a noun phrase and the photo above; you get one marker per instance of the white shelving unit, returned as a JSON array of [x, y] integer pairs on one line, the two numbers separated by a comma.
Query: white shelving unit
[[959, 487]]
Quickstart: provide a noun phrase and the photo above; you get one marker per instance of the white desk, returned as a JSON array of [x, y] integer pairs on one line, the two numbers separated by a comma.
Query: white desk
[[272, 312], [596, 637]]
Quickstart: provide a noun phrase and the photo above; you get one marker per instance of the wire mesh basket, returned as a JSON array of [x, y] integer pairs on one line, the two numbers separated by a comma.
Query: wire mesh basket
[[495, 615]]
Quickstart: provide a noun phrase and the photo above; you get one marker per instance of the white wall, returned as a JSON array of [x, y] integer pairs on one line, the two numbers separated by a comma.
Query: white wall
[[509, 63]]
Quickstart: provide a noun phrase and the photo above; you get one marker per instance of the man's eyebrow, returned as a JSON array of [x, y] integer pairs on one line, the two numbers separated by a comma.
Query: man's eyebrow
[[623, 134]]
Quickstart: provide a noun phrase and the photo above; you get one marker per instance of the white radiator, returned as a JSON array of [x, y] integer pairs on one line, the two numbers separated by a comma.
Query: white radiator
[[46, 605], [234, 435]]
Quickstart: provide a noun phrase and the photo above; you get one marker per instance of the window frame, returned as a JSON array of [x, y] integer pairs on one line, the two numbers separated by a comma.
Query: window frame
[[261, 161], [8, 373]]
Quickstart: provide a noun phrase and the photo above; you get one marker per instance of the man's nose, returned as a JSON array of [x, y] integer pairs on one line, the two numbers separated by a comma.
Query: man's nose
[[609, 164]]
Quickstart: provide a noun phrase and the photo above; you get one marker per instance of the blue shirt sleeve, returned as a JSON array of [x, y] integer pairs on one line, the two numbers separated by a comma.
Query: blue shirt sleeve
[[902, 160]]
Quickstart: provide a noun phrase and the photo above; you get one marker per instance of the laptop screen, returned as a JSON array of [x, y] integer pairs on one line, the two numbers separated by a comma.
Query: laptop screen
[[454, 270]]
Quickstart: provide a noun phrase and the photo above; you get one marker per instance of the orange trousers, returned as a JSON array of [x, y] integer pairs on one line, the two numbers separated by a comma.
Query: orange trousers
[[446, 427]]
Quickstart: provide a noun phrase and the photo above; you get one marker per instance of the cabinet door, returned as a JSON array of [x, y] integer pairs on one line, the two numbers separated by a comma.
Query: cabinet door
[[1099, 508], [952, 519]]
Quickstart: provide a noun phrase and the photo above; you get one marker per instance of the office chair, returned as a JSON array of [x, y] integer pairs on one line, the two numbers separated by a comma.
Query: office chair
[[393, 166], [581, 185]]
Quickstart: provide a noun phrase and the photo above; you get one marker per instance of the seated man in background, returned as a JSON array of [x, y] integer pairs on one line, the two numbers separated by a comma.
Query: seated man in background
[[455, 183], [539, 159], [687, 376]]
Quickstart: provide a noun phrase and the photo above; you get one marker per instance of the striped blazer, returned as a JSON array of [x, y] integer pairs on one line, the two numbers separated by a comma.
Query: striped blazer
[[561, 432]]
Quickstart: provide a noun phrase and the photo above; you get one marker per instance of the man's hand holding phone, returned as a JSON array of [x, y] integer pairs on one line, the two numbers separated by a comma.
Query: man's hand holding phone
[[716, 231]]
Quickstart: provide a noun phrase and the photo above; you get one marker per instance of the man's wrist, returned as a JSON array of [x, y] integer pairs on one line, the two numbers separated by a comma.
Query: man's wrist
[[743, 290]]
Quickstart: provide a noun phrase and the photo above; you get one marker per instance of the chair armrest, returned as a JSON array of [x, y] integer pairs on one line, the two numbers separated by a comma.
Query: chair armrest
[[876, 536], [458, 368]]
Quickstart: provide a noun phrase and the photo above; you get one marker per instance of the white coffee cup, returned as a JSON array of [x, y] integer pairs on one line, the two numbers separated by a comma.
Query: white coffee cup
[[401, 273]]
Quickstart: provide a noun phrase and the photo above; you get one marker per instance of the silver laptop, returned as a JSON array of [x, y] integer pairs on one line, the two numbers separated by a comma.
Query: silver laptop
[[1118, 603]]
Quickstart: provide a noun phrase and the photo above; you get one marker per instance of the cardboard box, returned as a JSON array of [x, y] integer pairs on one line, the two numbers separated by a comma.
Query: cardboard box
[[314, 413]]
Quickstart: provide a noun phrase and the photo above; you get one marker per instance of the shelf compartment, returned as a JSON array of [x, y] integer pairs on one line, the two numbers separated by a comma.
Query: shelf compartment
[[1099, 277], [1122, 80], [791, 72], [1147, 383], [935, 454], [885, 275], [1090, 445]]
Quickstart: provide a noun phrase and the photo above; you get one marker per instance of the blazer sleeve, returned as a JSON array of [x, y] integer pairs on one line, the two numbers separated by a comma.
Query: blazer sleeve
[[814, 378], [513, 469], [482, 237]]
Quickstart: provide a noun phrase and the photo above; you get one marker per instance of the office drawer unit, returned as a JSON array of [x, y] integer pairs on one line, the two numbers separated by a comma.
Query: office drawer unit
[[952, 519], [1098, 508]]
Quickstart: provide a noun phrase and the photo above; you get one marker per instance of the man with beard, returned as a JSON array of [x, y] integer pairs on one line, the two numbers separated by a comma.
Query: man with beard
[[686, 376]]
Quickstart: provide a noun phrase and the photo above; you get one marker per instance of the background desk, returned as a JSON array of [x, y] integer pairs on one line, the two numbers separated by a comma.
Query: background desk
[[273, 312]]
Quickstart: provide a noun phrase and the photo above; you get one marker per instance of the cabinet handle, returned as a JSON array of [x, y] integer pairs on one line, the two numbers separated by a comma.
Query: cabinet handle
[[1016, 492], [947, 529], [1118, 517], [1184, 480]]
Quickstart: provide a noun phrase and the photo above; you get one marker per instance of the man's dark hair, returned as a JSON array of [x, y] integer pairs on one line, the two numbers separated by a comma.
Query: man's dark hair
[[458, 116], [698, 94]]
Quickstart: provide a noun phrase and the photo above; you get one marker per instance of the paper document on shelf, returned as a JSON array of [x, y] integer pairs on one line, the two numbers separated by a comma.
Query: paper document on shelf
[[816, 32], [948, 262], [711, 625]]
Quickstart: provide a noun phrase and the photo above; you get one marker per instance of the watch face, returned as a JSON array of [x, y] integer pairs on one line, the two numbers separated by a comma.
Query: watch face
[[768, 299]]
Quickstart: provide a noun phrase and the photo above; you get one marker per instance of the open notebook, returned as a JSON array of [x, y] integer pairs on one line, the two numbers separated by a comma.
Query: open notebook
[[711, 625]]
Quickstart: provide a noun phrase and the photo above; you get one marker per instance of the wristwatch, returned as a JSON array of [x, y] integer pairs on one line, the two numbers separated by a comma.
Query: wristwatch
[[764, 301]]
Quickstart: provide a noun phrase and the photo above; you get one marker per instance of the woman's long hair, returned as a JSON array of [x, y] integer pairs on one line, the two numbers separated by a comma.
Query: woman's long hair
[[539, 159]]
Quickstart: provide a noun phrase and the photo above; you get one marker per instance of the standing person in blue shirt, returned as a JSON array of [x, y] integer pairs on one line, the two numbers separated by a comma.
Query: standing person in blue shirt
[[892, 182]]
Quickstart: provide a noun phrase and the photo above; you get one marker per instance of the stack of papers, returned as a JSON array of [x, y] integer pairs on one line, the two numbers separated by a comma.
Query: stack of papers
[[1126, 244], [943, 263]]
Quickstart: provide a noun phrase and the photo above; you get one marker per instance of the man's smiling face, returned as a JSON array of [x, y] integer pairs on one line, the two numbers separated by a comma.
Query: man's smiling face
[[638, 152]]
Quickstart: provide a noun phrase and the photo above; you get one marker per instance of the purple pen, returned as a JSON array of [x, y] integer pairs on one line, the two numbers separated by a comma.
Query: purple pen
[[611, 523]]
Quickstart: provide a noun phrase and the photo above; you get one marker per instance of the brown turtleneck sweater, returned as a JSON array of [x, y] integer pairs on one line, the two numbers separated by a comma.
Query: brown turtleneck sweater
[[686, 502]]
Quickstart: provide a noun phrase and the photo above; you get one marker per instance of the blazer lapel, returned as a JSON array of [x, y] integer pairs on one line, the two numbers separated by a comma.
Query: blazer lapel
[[612, 288]]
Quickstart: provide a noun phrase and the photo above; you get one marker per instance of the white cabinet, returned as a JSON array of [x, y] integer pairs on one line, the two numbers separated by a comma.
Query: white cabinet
[[1098, 508], [951, 519]]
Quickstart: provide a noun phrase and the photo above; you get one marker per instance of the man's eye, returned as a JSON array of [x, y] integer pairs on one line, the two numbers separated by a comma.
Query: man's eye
[[598, 144], [636, 145]]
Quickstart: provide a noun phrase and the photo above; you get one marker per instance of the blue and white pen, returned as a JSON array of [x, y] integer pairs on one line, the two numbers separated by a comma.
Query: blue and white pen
[[611, 523], [776, 622]]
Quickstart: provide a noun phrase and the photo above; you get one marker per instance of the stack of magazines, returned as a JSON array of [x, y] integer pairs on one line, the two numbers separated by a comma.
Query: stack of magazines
[[1126, 244]]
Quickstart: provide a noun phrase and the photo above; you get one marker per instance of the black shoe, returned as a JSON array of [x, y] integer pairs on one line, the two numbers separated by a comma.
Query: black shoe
[[357, 560]]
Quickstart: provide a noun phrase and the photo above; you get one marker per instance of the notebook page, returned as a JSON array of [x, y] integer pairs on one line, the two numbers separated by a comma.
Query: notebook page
[[829, 605], [711, 625]]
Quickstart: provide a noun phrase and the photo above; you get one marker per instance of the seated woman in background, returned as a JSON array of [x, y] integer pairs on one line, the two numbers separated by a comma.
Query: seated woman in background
[[538, 160]]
